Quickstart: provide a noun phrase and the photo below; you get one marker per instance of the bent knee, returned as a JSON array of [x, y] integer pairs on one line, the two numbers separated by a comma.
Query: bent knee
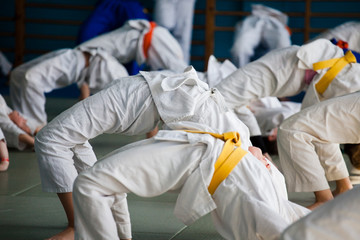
[[81, 185]]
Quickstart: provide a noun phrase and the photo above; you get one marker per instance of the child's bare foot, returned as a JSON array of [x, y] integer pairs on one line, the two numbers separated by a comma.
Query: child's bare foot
[[4, 164], [67, 234]]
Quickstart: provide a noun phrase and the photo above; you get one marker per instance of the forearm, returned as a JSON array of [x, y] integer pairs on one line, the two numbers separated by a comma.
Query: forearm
[[84, 91], [37, 130], [4, 154], [27, 139]]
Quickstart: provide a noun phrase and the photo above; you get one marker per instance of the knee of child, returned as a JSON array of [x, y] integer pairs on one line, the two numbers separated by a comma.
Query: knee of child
[[82, 185], [282, 130], [37, 141], [41, 139], [78, 185]]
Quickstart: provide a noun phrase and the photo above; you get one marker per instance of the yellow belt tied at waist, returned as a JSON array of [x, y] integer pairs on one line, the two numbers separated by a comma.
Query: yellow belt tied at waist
[[335, 65], [229, 157]]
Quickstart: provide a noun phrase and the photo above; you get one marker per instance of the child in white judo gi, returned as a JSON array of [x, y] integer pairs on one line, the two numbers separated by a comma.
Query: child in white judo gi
[[177, 16], [269, 113], [62, 146], [308, 144], [248, 202], [346, 35], [337, 219], [109, 15], [144, 41], [19, 132], [348, 32], [29, 82], [288, 71], [132, 105], [265, 29], [217, 72], [4, 154]]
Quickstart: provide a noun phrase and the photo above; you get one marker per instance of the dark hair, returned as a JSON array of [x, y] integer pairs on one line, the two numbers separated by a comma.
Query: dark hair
[[271, 146], [353, 151]]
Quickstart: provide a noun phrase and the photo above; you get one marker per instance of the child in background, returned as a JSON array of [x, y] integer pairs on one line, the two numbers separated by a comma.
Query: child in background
[[4, 154], [308, 144], [19, 131]]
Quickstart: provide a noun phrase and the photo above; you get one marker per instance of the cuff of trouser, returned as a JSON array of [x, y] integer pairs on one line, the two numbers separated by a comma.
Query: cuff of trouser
[[257, 141], [124, 231], [340, 175], [309, 186]]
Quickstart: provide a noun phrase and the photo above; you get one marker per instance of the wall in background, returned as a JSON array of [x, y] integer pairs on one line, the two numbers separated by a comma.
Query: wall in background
[[46, 25]]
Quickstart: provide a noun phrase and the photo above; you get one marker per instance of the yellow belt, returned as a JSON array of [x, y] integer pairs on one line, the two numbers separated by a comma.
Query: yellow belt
[[335, 65], [229, 157]]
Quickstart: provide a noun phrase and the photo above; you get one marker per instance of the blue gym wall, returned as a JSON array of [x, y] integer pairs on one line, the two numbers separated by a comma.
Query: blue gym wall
[[223, 40]]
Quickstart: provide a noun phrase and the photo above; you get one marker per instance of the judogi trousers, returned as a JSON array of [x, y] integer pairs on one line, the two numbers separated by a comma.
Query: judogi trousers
[[308, 143], [50, 71], [62, 147], [177, 16], [275, 74], [250, 204]]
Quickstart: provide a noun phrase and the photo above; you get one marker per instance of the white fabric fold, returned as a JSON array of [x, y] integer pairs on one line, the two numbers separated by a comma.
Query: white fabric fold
[[126, 44], [103, 69], [174, 107], [345, 82]]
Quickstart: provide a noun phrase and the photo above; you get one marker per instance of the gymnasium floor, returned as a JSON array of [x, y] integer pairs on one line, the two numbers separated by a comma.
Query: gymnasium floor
[[27, 213]]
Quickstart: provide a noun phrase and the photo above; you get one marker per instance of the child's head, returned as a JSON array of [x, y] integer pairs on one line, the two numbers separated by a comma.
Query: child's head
[[353, 151]]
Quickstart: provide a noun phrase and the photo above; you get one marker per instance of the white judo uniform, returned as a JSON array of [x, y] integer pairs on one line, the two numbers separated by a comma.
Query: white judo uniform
[[270, 113], [10, 130], [177, 16], [2, 137], [250, 204], [265, 27], [348, 32], [30, 81], [62, 146], [5, 65], [282, 72], [308, 143], [261, 115], [336, 219], [127, 44], [217, 72]]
